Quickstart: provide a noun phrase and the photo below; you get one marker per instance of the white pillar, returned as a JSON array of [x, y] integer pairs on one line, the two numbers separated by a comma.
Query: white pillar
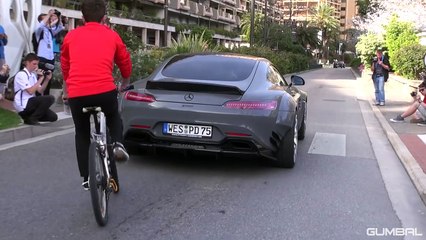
[[144, 36], [157, 38]]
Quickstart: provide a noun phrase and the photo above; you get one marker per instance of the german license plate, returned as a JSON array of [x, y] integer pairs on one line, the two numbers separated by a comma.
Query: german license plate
[[186, 130]]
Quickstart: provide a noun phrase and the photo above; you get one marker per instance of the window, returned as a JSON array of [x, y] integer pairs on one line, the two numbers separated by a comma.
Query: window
[[210, 67]]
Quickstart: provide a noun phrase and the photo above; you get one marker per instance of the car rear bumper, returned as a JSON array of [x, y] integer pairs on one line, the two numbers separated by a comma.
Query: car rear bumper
[[233, 146]]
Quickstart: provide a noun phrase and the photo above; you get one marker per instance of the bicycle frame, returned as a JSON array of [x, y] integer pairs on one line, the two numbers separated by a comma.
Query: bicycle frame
[[99, 135]]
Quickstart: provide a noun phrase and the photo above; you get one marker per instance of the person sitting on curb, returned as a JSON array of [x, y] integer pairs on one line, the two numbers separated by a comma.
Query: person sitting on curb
[[417, 108], [28, 81]]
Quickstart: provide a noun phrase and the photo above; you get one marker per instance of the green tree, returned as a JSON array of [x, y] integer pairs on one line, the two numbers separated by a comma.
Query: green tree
[[399, 34], [409, 60], [367, 45], [307, 36], [258, 26], [323, 18]]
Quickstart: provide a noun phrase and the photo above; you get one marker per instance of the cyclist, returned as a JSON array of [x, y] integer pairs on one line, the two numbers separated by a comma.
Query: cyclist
[[88, 54]]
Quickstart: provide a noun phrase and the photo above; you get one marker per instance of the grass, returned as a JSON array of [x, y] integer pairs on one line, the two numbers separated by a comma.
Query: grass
[[8, 119]]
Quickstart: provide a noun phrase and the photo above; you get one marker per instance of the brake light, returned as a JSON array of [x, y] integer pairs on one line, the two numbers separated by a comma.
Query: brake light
[[236, 134], [140, 97], [263, 105]]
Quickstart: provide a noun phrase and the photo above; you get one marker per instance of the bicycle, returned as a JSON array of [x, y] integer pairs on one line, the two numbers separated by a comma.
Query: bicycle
[[103, 175]]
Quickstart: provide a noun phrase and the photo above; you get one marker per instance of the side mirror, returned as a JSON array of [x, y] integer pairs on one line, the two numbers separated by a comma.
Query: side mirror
[[298, 81]]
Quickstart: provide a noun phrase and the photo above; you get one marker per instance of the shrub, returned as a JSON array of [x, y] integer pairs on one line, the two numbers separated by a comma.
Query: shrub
[[190, 44], [285, 62], [408, 60]]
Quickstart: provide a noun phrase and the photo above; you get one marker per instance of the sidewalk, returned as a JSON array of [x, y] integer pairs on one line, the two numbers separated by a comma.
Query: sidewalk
[[23, 131], [408, 139]]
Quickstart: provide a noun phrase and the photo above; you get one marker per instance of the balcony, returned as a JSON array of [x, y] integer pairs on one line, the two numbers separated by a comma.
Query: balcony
[[157, 1], [228, 17], [193, 7], [205, 11], [230, 2], [180, 5]]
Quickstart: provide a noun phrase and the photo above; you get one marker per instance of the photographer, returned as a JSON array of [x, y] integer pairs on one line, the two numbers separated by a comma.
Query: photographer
[[380, 68], [33, 109], [49, 26], [417, 108]]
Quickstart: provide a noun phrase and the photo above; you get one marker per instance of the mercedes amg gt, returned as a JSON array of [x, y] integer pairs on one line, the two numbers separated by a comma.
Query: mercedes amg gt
[[219, 103]]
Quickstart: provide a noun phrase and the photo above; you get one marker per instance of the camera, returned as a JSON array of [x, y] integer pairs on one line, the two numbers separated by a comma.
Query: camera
[[43, 73], [374, 59], [413, 93]]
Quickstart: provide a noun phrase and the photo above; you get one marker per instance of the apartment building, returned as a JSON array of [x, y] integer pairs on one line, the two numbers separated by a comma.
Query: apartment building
[[146, 17]]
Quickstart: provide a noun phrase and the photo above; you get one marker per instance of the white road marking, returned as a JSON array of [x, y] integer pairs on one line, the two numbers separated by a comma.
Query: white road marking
[[328, 144], [35, 139], [422, 137]]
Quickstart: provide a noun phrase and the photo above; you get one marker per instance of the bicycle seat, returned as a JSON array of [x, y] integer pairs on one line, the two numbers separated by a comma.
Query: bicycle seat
[[92, 109]]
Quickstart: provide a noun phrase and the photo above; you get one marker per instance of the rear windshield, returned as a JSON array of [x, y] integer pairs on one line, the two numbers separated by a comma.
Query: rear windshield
[[210, 67]]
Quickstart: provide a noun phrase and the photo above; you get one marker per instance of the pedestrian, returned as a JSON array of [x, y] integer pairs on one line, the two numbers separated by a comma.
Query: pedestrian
[[4, 76], [88, 54], [33, 109], [417, 108], [3, 42], [49, 26], [380, 68]]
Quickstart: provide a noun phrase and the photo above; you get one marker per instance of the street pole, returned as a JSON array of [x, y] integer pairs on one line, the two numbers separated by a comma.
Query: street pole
[[166, 18], [265, 22], [252, 23]]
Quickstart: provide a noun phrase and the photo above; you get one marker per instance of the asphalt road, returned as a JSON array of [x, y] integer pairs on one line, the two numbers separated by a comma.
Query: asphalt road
[[347, 182]]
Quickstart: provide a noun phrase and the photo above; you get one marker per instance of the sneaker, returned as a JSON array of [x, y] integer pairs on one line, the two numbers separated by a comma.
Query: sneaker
[[382, 104], [120, 153], [422, 124], [30, 121], [397, 119], [85, 185], [377, 103], [415, 120]]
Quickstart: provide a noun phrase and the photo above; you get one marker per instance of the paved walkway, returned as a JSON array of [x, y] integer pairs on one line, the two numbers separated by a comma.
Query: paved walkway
[[408, 139]]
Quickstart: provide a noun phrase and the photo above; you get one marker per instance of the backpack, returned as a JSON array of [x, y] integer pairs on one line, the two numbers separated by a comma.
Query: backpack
[[9, 88], [35, 42]]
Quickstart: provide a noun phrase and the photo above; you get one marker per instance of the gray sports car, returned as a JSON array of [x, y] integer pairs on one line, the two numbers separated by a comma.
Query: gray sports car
[[218, 103]]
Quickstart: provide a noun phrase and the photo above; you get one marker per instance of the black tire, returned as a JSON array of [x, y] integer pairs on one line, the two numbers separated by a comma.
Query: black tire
[[302, 129], [287, 152], [97, 183]]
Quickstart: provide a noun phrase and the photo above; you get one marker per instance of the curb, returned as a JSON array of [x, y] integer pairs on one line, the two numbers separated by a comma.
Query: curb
[[412, 167], [29, 131], [418, 177]]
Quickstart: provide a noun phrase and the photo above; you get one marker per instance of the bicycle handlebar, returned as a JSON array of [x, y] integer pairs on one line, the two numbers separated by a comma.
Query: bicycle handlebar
[[129, 87]]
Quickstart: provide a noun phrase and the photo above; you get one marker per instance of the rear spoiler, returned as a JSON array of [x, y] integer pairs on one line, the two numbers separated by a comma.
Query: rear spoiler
[[193, 87]]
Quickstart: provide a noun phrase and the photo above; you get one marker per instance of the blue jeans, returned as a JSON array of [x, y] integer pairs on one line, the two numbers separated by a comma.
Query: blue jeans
[[379, 86]]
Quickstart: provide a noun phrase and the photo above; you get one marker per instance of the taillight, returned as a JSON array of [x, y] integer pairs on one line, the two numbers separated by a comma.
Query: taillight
[[140, 97], [264, 105]]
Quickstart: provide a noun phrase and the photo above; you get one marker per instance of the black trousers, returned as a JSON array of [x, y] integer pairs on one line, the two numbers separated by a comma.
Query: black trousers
[[42, 66], [109, 104], [38, 108]]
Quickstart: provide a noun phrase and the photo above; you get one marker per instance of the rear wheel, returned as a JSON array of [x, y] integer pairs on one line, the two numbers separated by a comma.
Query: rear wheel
[[287, 152], [98, 185], [302, 129]]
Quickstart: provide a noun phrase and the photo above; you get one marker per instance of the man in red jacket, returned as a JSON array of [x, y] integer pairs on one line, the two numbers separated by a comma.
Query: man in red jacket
[[88, 54]]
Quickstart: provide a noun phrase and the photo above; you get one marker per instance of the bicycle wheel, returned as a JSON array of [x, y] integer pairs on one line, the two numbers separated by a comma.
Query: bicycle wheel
[[98, 185]]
